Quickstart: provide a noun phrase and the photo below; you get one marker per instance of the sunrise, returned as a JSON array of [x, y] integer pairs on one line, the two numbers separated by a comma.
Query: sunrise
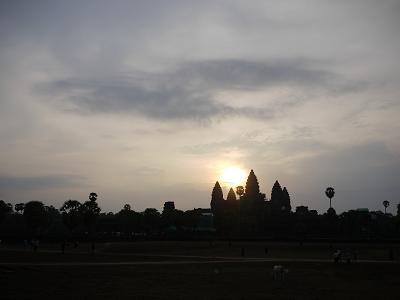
[[179, 133]]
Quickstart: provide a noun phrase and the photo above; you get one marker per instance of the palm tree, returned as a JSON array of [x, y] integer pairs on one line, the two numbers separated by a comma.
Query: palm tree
[[330, 192], [92, 196], [385, 205], [90, 211], [240, 190]]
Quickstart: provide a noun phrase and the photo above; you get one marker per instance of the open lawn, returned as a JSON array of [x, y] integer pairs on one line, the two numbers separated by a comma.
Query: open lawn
[[196, 270], [261, 249]]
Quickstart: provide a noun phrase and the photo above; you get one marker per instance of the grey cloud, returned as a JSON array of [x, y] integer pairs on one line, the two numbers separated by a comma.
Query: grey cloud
[[39, 182], [245, 74], [188, 91], [160, 102]]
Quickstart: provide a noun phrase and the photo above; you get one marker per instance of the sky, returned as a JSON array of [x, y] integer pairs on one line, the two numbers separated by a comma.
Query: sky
[[144, 102]]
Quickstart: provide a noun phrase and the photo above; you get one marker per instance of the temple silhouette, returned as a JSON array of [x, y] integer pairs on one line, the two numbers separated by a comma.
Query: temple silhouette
[[245, 213], [248, 211]]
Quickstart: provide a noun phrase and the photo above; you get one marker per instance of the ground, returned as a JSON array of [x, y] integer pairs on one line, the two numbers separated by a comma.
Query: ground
[[198, 270]]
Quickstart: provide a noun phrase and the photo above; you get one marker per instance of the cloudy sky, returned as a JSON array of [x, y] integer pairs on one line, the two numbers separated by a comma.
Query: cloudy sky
[[148, 101]]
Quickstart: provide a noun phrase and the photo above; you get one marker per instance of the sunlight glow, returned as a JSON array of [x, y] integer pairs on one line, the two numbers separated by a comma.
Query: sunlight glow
[[233, 176]]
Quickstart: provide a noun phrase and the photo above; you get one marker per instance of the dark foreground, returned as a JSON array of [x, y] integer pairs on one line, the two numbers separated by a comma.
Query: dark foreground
[[50, 275]]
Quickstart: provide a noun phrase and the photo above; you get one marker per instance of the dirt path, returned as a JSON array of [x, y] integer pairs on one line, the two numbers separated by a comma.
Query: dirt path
[[222, 260]]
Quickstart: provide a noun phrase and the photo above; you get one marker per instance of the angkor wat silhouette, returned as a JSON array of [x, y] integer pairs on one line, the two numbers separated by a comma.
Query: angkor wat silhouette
[[248, 213]]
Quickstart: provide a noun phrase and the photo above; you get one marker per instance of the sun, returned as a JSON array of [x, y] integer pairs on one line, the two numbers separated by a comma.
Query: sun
[[233, 176]]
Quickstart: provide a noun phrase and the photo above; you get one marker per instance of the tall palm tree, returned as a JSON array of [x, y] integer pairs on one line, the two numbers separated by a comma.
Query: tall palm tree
[[385, 205], [330, 192], [92, 196]]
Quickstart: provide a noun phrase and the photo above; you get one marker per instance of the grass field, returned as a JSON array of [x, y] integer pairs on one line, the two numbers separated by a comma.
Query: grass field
[[197, 270], [256, 249]]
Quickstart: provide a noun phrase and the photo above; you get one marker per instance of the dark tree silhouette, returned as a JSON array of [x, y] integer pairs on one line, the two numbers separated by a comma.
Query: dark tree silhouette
[[128, 220], [151, 220], [35, 216], [90, 212], [331, 211], [330, 193], [71, 214], [331, 214], [169, 206], [240, 190], [5, 208], [92, 196], [191, 219], [231, 195], [385, 205], [19, 207]]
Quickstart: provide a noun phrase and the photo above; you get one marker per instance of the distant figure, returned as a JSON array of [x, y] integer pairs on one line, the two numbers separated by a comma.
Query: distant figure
[[35, 245], [391, 253], [93, 247], [266, 250], [63, 243], [242, 252], [337, 256], [347, 256], [355, 255], [76, 244], [278, 272]]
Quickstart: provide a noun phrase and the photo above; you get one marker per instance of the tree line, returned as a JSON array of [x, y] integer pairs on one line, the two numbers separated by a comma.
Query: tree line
[[85, 220], [231, 218]]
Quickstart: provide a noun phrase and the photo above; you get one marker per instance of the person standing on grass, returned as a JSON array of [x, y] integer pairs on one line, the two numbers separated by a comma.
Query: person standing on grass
[[63, 246], [337, 256], [93, 247]]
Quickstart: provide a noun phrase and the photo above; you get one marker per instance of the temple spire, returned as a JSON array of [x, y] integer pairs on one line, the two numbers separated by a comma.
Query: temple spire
[[252, 187], [231, 195], [276, 193], [286, 200], [217, 197]]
